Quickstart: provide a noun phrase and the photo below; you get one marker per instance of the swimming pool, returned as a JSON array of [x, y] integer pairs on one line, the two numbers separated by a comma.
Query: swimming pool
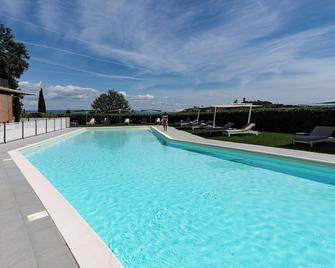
[[157, 203]]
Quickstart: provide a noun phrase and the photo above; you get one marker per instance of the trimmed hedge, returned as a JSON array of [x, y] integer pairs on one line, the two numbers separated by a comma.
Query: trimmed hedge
[[286, 120], [42, 115]]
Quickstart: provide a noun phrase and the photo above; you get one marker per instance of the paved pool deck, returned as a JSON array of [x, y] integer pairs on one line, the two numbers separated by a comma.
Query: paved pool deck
[[28, 236], [183, 136]]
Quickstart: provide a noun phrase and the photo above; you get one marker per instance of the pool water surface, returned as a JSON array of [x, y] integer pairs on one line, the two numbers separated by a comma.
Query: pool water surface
[[157, 205]]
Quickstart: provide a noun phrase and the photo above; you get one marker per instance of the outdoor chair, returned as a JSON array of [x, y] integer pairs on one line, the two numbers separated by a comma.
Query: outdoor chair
[[202, 124], [318, 134], [212, 130], [91, 122], [246, 129]]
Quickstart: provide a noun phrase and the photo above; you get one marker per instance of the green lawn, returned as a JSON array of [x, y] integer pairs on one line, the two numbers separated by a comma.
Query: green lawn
[[273, 139]]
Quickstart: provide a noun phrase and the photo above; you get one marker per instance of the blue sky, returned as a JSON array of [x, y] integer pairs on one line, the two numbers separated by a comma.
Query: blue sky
[[176, 54]]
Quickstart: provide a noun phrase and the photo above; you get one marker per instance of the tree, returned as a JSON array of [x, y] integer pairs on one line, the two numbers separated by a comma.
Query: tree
[[13, 62], [41, 103], [109, 102]]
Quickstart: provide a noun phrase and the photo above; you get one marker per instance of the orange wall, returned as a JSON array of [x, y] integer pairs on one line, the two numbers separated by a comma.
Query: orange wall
[[6, 108]]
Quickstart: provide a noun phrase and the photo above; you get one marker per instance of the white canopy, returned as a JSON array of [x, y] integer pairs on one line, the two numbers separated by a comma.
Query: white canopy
[[234, 105]]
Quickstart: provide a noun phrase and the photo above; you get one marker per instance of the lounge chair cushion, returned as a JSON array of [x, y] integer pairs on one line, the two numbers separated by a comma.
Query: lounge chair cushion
[[310, 138]]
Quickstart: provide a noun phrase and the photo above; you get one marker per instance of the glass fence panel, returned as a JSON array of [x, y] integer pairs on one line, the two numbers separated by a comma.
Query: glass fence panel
[[57, 123], [2, 133], [13, 131], [51, 125], [29, 128], [41, 126], [63, 122]]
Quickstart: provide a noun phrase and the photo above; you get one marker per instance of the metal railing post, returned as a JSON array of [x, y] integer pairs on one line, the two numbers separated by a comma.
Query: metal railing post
[[22, 129], [46, 125], [61, 123], [4, 132], [54, 124], [35, 127]]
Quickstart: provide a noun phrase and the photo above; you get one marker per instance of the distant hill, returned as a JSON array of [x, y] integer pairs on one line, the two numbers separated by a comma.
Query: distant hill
[[327, 102]]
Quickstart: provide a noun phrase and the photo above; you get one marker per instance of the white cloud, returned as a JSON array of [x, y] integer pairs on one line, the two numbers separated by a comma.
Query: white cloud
[[141, 97], [75, 97], [123, 93], [59, 96]]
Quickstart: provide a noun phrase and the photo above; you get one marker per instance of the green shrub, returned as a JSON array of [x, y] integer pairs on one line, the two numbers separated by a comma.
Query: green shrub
[[286, 120]]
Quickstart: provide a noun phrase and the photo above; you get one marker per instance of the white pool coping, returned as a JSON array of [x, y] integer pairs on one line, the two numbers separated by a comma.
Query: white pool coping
[[87, 247], [182, 136]]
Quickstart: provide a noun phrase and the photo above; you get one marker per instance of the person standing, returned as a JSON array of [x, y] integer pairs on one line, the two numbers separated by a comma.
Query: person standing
[[165, 121]]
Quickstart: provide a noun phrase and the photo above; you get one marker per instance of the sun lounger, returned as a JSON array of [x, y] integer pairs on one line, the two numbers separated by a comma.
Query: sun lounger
[[187, 122], [246, 129], [91, 122], [202, 124], [318, 134], [212, 130]]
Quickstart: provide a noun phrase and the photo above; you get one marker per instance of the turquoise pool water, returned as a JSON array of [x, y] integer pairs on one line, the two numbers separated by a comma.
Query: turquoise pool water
[[159, 204]]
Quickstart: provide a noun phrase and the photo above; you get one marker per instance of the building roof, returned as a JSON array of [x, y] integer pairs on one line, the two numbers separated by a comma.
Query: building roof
[[15, 91]]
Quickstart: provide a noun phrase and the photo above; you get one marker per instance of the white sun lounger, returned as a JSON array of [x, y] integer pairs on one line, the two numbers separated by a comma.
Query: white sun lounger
[[202, 125], [91, 122], [188, 123], [246, 129], [318, 134], [212, 130]]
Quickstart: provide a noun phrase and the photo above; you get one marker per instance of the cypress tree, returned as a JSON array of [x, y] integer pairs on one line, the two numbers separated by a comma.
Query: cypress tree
[[41, 103]]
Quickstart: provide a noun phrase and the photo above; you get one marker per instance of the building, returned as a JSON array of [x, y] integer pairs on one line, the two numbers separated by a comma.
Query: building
[[8, 99]]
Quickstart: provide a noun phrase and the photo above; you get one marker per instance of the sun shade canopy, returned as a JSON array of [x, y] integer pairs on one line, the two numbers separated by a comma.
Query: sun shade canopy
[[234, 105]]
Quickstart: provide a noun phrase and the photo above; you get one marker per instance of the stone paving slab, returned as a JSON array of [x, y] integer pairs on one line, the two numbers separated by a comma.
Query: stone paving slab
[[24, 243]]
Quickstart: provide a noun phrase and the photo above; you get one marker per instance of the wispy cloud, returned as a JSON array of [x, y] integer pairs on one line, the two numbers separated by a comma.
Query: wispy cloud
[[70, 52], [122, 77]]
